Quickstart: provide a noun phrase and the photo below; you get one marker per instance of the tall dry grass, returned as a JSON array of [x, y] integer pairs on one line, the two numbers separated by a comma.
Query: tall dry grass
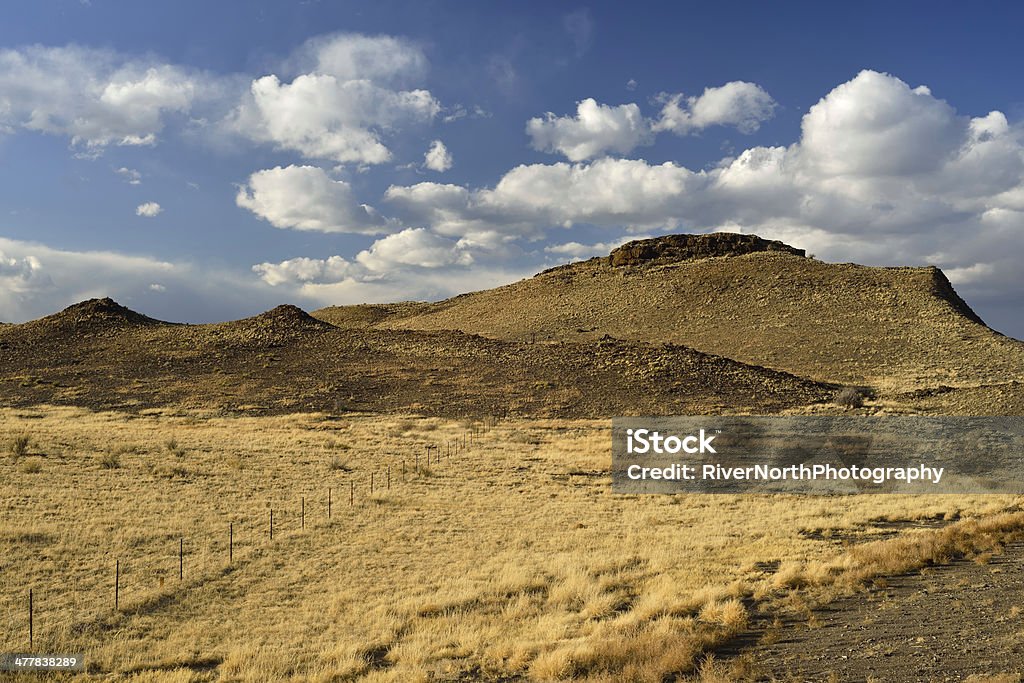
[[510, 559]]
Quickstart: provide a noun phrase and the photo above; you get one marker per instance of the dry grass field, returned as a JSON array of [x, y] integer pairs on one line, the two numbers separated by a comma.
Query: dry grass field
[[509, 560]]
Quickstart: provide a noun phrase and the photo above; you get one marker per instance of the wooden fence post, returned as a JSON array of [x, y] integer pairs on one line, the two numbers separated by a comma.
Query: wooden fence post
[[31, 634], [231, 542], [117, 584]]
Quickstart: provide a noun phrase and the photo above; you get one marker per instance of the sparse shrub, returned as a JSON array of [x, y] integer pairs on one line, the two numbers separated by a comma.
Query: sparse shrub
[[19, 446], [32, 466], [338, 464], [110, 461], [171, 471], [850, 397], [174, 448], [171, 444]]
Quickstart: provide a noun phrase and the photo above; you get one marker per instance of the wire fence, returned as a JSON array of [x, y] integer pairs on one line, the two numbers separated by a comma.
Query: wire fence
[[91, 598]]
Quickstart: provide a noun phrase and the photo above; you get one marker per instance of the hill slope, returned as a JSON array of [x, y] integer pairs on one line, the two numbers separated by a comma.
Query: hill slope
[[896, 328], [286, 361]]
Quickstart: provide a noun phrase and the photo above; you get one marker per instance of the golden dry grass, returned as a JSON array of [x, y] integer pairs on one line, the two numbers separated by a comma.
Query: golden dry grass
[[511, 559]]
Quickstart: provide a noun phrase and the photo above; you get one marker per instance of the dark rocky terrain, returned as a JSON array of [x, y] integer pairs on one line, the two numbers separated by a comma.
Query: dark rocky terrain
[[101, 355], [673, 325]]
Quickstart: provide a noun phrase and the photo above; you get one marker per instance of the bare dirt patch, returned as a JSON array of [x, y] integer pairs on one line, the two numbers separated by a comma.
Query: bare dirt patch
[[944, 623]]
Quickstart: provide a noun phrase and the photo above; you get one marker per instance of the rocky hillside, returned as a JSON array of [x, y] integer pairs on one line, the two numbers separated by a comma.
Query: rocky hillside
[[103, 356], [759, 302]]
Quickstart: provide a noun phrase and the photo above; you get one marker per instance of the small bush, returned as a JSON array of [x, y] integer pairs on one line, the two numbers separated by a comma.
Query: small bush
[[850, 398], [19, 446], [32, 466], [338, 464], [110, 461], [175, 449]]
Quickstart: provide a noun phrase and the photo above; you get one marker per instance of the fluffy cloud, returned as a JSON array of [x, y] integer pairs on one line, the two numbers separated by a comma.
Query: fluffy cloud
[[596, 128], [95, 97], [412, 264], [437, 158], [333, 269], [738, 103], [306, 198], [386, 258], [532, 198], [148, 210], [413, 247], [883, 173], [343, 106]]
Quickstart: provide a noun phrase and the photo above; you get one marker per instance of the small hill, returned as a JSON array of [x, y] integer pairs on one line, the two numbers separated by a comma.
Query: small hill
[[280, 322], [751, 300], [98, 313]]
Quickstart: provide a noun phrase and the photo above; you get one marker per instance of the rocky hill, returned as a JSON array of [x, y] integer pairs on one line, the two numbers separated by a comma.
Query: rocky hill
[[759, 302], [286, 361]]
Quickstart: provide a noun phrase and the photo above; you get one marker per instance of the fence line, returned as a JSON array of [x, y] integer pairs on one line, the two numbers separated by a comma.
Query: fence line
[[121, 570]]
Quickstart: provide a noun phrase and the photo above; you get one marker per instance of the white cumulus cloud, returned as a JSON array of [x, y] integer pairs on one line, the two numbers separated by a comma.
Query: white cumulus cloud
[[306, 198], [95, 97], [596, 129], [333, 269], [148, 210], [437, 158], [413, 247], [737, 103], [342, 108]]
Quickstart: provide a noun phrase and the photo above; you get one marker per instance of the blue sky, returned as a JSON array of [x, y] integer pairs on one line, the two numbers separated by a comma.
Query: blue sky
[[205, 161]]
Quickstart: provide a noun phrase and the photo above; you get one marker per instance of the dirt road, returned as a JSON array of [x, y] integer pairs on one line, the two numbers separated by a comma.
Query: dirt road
[[947, 623]]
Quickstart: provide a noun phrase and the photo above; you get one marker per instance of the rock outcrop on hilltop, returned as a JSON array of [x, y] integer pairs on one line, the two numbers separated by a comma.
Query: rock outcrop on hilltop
[[99, 315], [671, 248]]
